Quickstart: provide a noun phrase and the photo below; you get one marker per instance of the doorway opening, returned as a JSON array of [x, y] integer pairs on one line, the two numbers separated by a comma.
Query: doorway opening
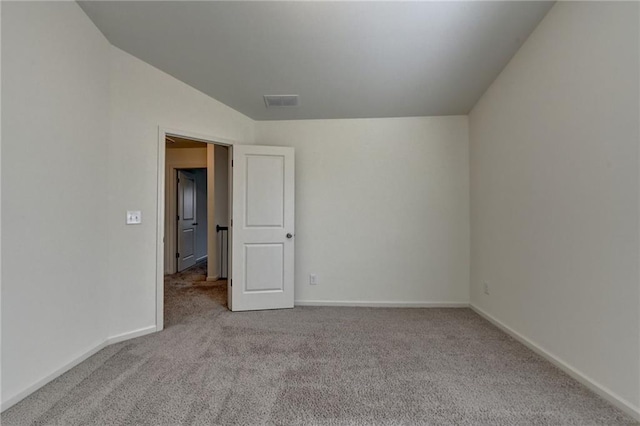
[[259, 247], [195, 202]]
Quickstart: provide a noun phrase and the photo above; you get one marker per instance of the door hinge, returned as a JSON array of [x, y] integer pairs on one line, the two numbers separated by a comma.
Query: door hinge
[[177, 255], [178, 180], [231, 222], [178, 216], [231, 283], [231, 163]]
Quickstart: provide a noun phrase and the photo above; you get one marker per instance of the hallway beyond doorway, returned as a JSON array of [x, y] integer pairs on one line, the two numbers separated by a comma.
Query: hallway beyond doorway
[[188, 294]]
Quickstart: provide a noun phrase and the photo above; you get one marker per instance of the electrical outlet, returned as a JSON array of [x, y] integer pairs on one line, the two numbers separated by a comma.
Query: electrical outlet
[[313, 279], [486, 288], [134, 217]]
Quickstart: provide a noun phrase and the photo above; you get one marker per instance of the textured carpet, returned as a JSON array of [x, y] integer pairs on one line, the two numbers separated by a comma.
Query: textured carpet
[[312, 365]]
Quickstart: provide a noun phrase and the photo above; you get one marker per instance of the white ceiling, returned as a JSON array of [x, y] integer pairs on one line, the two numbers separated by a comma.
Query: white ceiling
[[344, 59]]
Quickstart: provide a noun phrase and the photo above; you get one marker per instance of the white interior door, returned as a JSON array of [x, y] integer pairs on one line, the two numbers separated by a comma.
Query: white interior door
[[263, 230], [186, 220]]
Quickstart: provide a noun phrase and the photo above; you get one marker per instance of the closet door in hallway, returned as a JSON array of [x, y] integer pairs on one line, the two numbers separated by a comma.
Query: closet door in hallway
[[187, 220]]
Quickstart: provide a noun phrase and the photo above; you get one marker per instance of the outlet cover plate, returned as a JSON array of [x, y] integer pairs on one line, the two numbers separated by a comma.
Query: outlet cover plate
[[134, 217]]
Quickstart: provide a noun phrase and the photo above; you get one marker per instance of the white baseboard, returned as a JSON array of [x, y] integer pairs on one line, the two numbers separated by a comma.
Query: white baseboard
[[131, 335], [358, 303], [213, 278], [594, 386], [11, 401]]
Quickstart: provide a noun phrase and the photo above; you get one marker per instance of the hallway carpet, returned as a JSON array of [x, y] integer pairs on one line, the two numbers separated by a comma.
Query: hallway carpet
[[312, 366]]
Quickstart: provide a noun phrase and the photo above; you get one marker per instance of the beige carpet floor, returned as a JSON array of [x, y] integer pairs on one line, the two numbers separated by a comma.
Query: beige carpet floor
[[312, 366]]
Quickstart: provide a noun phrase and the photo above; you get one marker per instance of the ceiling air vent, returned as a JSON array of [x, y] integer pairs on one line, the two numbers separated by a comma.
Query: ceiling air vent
[[281, 100]]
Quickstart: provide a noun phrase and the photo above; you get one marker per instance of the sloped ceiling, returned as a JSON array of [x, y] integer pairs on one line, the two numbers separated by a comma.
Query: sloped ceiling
[[344, 59]]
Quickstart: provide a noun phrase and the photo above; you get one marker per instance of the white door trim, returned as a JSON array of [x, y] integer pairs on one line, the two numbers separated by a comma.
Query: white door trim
[[163, 132]]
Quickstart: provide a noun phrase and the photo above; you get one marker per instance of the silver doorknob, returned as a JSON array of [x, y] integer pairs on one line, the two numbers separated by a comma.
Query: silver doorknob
[[289, 235]]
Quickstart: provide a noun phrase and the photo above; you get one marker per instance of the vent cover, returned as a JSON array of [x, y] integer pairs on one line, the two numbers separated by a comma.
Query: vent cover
[[281, 100]]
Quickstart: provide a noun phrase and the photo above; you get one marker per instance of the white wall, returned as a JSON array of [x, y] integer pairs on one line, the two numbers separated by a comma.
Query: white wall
[[143, 98], [212, 252], [382, 210], [55, 125], [83, 119], [221, 202], [201, 211], [554, 193]]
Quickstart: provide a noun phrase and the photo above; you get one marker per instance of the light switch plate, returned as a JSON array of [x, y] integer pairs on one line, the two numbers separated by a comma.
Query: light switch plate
[[134, 217]]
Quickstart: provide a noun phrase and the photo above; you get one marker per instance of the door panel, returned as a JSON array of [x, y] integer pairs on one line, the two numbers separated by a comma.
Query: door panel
[[186, 246], [186, 220], [262, 263], [188, 196], [265, 191]]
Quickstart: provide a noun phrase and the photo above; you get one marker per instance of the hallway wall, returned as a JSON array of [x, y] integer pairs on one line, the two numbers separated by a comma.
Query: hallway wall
[[222, 204], [201, 212]]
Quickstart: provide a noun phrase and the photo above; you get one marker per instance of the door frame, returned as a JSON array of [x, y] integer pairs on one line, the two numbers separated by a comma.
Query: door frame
[[163, 132]]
